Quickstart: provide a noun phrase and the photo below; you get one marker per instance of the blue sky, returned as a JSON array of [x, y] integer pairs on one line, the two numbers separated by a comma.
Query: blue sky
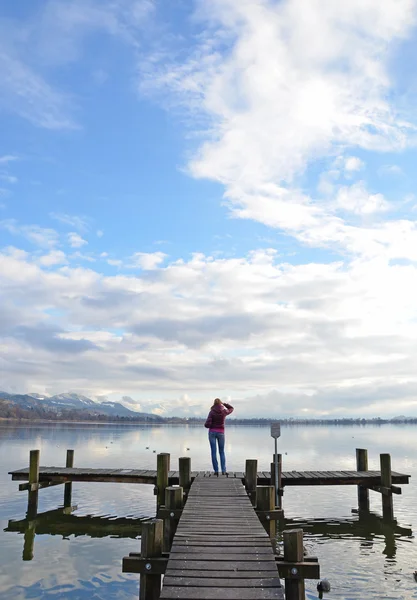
[[210, 198]]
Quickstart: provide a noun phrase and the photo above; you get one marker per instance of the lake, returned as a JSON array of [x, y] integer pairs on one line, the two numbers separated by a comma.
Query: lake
[[79, 557]]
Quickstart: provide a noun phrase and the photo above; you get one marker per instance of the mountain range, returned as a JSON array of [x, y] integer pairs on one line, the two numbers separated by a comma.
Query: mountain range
[[61, 404]]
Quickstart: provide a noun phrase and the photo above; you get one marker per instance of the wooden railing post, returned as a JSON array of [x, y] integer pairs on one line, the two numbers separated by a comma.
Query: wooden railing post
[[162, 470], [68, 486], [33, 479], [362, 465], [173, 501], [251, 479], [280, 488], [265, 502], [294, 553], [386, 482], [151, 547], [184, 464]]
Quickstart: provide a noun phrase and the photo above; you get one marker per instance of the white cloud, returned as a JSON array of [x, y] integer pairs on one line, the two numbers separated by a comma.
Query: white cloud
[[9, 178], [353, 163], [99, 233], [75, 240], [39, 236], [358, 200], [391, 170], [80, 223], [334, 337], [4, 160], [55, 257], [147, 260]]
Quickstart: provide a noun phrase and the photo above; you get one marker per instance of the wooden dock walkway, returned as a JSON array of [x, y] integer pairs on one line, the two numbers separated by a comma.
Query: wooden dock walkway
[[289, 478], [220, 549]]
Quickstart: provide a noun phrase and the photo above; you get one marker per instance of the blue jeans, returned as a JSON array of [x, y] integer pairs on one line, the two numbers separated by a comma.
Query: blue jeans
[[214, 437]]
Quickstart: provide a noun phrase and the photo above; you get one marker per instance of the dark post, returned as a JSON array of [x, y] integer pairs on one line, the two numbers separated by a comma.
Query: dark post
[[68, 486], [173, 501], [294, 552], [265, 501], [362, 465], [162, 470], [33, 478], [151, 547], [280, 489], [386, 482], [29, 540], [251, 479], [185, 473]]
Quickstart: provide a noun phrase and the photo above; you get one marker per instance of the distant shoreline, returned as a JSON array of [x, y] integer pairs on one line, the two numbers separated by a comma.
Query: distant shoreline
[[231, 422]]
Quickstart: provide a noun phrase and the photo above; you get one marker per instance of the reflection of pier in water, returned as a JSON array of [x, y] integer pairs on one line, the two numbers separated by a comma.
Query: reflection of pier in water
[[62, 522], [365, 527]]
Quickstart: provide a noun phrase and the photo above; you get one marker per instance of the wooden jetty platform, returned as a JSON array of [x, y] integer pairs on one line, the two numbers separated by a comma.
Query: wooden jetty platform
[[214, 536], [220, 548]]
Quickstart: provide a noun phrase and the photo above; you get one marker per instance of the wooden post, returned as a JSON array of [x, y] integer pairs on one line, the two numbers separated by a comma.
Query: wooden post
[[151, 547], [185, 473], [362, 465], [386, 482], [280, 488], [251, 479], [265, 501], [68, 486], [162, 470], [29, 540], [294, 552], [33, 478], [173, 501]]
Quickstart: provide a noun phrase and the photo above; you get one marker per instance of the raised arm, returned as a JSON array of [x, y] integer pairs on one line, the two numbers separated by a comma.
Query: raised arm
[[229, 408]]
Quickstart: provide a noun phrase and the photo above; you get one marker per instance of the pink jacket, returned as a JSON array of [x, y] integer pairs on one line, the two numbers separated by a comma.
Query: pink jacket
[[217, 416]]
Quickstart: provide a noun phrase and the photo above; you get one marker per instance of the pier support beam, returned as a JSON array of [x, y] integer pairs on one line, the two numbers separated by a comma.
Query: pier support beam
[[278, 501], [33, 479], [68, 486], [386, 482], [265, 503], [251, 478], [363, 492], [294, 553], [173, 502], [151, 547], [184, 464], [162, 470]]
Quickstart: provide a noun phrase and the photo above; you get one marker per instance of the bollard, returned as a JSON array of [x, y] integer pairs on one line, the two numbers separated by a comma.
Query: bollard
[[278, 502], [265, 501], [185, 473], [151, 547], [33, 478], [251, 479], [162, 470], [294, 552], [68, 486], [386, 482], [362, 465], [173, 501]]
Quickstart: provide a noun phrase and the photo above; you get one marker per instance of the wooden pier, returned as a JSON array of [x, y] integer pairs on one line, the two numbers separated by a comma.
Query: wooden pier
[[214, 537]]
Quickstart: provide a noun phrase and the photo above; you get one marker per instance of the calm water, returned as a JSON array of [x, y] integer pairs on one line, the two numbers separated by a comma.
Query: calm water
[[79, 556]]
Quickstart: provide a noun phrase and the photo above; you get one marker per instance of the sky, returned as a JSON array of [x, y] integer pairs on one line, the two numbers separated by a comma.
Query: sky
[[204, 198]]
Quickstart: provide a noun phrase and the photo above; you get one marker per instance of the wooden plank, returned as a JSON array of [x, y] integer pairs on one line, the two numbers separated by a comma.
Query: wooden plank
[[248, 582], [198, 593], [213, 575], [228, 550], [226, 565], [232, 556]]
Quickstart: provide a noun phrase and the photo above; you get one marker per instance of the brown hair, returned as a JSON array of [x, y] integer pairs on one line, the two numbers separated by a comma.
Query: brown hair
[[217, 402]]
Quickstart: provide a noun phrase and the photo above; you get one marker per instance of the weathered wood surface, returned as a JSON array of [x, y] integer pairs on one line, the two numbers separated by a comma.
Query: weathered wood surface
[[293, 478], [220, 550]]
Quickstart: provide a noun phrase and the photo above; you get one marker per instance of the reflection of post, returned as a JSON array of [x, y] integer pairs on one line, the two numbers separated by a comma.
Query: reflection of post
[[68, 486], [29, 542], [362, 465], [386, 482], [33, 479]]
